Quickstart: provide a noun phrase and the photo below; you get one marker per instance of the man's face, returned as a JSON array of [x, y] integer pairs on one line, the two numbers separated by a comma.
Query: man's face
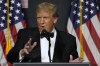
[[45, 20]]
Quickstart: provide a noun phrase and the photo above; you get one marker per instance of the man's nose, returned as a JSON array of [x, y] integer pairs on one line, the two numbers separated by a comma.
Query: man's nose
[[42, 20]]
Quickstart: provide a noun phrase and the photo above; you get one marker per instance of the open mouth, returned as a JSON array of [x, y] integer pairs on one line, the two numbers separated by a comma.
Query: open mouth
[[42, 27]]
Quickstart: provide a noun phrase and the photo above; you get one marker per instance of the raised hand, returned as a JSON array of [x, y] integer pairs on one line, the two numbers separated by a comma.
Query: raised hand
[[28, 47]]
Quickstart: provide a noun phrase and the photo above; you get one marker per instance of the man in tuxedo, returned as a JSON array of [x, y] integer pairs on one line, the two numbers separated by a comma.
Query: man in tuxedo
[[45, 43]]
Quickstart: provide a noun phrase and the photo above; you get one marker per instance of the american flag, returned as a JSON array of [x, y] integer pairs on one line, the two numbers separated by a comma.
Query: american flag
[[90, 29], [16, 22]]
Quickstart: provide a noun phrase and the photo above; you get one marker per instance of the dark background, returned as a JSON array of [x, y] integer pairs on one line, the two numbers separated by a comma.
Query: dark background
[[98, 2], [63, 12]]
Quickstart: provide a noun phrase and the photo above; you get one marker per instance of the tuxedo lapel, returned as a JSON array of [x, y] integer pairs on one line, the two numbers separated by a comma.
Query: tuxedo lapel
[[36, 51], [57, 57]]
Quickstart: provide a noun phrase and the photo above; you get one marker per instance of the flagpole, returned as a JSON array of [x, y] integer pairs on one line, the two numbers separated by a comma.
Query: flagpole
[[80, 36], [8, 41]]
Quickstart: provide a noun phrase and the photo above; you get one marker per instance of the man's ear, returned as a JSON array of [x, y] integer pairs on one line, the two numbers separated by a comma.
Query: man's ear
[[55, 20]]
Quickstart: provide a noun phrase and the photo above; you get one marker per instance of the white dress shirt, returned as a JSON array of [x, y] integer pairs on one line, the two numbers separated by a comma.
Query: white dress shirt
[[44, 43]]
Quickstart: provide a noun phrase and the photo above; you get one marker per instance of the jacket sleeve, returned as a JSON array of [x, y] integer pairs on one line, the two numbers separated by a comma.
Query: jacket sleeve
[[73, 49], [70, 47], [13, 55]]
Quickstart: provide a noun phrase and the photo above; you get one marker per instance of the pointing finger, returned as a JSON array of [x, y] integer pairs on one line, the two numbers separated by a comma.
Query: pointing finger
[[29, 41], [32, 46]]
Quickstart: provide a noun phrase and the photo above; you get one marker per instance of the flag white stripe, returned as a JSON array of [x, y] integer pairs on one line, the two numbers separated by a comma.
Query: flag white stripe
[[3, 61], [91, 44], [71, 30], [19, 26], [85, 58], [96, 24]]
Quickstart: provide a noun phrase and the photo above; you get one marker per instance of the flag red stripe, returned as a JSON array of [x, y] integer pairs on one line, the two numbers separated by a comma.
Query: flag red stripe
[[13, 32], [2, 40], [94, 34], [24, 23], [98, 15], [9, 64], [87, 50]]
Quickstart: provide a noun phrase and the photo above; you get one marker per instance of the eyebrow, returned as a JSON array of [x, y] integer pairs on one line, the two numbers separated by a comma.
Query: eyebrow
[[42, 17]]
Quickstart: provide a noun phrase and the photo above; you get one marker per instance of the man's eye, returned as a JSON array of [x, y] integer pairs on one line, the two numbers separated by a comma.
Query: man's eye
[[45, 17]]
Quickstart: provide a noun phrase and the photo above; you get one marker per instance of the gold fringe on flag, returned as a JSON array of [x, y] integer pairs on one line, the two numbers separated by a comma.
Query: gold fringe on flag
[[8, 38], [81, 38]]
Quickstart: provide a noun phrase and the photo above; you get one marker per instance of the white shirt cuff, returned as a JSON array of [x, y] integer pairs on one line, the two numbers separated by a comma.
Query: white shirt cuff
[[20, 57]]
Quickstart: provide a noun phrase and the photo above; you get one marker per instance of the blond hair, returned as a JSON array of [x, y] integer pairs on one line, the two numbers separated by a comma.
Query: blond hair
[[48, 7]]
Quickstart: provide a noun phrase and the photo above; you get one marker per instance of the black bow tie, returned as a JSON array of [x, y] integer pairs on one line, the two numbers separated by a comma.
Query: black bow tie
[[46, 34]]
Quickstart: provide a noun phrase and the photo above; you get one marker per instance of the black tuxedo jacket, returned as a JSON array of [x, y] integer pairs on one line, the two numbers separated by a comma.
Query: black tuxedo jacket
[[65, 46]]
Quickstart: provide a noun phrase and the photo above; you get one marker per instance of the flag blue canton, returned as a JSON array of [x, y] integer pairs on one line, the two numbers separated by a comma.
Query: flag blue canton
[[89, 9], [16, 14], [3, 13]]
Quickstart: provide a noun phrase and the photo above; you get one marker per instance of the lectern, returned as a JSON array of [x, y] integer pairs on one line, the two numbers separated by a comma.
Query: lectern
[[51, 64]]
